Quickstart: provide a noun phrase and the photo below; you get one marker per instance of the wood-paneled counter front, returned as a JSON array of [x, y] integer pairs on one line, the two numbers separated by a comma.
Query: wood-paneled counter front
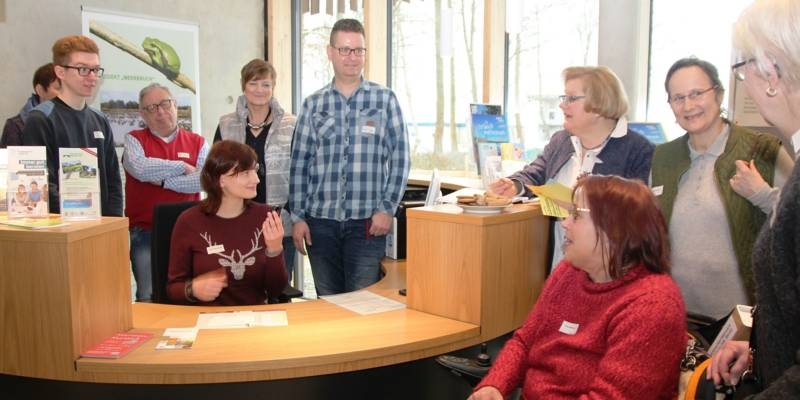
[[321, 338]]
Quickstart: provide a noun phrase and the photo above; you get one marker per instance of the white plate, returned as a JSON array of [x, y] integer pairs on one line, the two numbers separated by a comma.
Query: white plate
[[483, 209]]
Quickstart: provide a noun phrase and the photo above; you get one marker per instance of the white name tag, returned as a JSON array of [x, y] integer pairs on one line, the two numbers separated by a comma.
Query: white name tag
[[569, 328], [658, 190], [215, 249], [183, 155], [368, 129], [98, 135]]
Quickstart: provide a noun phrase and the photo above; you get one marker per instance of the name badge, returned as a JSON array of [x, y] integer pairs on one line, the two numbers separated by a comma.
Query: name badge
[[216, 249], [368, 129], [98, 135], [183, 155], [658, 190], [569, 328]]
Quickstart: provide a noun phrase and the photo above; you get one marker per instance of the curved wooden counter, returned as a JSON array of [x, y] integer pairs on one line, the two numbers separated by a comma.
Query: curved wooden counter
[[321, 338], [66, 289]]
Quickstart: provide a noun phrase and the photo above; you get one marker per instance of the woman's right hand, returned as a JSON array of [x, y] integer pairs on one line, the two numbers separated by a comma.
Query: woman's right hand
[[486, 393], [206, 287], [503, 187], [729, 363]]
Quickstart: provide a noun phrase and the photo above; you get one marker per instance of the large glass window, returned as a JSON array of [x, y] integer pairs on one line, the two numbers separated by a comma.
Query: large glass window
[[544, 37], [437, 69], [316, 24], [684, 28]]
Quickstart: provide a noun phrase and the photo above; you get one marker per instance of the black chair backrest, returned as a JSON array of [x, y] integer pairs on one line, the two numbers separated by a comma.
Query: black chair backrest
[[164, 217]]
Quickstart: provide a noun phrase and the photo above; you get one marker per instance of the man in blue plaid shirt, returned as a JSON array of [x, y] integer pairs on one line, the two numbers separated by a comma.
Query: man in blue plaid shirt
[[350, 163]]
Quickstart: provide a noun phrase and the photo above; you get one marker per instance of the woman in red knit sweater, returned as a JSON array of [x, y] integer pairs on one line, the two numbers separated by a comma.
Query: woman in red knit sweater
[[610, 322], [227, 250]]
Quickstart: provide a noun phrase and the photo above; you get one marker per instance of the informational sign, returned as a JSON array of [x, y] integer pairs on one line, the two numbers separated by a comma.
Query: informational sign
[[135, 51]]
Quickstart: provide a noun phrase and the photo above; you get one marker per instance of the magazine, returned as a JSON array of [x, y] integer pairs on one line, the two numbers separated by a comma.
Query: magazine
[[26, 188]]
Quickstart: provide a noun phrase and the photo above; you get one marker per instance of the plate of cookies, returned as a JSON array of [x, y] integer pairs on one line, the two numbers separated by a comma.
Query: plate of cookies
[[488, 203]]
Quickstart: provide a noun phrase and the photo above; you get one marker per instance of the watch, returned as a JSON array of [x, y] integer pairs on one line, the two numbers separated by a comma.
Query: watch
[[187, 291]]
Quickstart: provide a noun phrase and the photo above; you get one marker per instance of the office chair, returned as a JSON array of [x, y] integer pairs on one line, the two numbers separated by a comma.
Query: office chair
[[164, 217]]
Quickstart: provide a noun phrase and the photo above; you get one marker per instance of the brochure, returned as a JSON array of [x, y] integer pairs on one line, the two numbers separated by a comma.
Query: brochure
[[26, 184], [118, 345], [177, 338], [79, 185], [554, 197], [489, 129]]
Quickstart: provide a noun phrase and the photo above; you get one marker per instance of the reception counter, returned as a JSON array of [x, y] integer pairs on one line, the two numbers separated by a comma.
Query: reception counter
[[80, 295]]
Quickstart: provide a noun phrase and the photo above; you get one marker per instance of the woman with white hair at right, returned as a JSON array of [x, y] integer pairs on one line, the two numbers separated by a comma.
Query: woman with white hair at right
[[767, 37]]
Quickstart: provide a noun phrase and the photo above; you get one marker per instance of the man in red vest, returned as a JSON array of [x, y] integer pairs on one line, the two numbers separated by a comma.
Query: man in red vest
[[162, 165]]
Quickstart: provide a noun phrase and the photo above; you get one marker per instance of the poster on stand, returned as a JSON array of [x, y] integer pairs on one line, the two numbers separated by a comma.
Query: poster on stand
[[135, 51], [79, 185]]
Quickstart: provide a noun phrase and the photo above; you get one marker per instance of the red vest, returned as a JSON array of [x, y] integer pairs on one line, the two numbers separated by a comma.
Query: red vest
[[141, 197]]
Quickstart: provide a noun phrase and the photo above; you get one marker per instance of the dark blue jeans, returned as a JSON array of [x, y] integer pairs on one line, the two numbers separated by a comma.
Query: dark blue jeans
[[344, 256], [140, 260]]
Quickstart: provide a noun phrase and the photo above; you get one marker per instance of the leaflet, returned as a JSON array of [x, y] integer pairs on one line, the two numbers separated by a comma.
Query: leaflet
[[26, 187], [79, 185]]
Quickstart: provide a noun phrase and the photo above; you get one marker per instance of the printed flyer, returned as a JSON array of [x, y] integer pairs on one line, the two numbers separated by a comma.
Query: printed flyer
[[26, 187], [79, 184]]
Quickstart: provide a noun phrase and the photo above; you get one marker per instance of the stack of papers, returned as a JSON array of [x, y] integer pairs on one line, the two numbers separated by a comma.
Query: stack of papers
[[241, 319], [364, 302]]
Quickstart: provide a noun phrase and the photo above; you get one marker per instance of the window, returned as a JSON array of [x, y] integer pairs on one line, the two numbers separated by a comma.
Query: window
[[684, 28], [316, 24], [437, 70], [544, 37]]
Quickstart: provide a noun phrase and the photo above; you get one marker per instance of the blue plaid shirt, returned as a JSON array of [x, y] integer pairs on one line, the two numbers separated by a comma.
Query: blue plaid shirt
[[349, 156]]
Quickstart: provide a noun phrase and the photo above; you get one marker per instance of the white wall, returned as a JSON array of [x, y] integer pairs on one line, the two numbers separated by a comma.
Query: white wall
[[231, 34]]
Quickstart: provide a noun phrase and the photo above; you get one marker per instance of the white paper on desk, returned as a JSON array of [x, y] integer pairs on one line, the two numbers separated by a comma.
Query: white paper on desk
[[241, 319], [364, 302]]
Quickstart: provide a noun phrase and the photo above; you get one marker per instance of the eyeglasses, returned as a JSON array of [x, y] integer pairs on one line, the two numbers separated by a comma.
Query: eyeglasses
[[575, 212], [693, 95], [346, 51], [165, 106], [738, 72], [84, 71], [567, 100]]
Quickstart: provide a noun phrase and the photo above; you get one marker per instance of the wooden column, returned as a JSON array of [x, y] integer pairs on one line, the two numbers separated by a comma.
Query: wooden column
[[62, 290], [481, 269]]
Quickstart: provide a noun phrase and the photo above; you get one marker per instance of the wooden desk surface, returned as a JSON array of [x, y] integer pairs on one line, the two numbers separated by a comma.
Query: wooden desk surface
[[321, 338]]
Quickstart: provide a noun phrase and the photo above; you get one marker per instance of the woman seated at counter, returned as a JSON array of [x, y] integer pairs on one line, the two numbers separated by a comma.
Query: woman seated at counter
[[595, 140], [712, 192], [610, 322], [227, 250]]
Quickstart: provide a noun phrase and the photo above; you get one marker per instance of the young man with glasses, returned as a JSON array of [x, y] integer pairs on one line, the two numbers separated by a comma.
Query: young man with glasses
[[162, 165], [350, 162], [67, 122]]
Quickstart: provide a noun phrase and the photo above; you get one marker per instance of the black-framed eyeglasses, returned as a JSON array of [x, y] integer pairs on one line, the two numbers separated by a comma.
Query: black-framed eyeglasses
[[567, 100], [346, 51], [737, 69], [165, 105], [693, 95], [84, 71]]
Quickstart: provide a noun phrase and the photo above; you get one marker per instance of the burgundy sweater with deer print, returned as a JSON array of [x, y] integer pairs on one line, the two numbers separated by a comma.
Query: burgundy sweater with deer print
[[203, 243]]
